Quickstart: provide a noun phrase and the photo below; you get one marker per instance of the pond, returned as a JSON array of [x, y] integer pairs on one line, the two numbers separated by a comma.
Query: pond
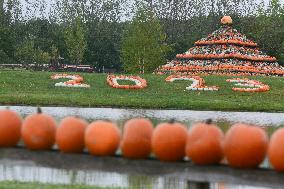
[[29, 171]]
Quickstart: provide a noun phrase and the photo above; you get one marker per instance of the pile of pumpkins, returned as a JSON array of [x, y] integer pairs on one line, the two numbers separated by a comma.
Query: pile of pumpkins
[[243, 146]]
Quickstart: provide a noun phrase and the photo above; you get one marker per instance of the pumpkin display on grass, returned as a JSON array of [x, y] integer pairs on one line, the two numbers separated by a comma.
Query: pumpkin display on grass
[[204, 143], [70, 135], [102, 138], [276, 150], [245, 146], [10, 128], [169, 140], [38, 131], [136, 140]]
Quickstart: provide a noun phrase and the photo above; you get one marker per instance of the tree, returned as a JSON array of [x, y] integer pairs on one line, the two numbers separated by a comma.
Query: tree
[[143, 43], [27, 53], [6, 45], [75, 41]]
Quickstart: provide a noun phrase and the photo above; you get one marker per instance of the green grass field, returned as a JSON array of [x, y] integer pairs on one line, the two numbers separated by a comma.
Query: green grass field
[[34, 185], [36, 88]]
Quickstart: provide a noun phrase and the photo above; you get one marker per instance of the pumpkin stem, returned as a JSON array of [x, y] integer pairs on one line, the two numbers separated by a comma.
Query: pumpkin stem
[[209, 121], [172, 121], [39, 110]]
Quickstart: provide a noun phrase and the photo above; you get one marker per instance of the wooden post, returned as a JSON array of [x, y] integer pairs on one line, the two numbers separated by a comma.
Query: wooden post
[[198, 185]]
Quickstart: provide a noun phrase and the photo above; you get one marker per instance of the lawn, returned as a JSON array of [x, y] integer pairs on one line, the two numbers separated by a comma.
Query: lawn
[[34, 185], [36, 88]]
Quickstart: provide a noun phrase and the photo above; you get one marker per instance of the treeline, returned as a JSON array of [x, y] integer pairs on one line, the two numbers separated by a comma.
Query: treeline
[[125, 35]]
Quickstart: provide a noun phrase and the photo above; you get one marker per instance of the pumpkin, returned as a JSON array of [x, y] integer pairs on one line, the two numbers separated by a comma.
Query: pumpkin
[[136, 140], [38, 131], [102, 138], [245, 146], [169, 140], [276, 150], [70, 135], [226, 20], [204, 143], [10, 128]]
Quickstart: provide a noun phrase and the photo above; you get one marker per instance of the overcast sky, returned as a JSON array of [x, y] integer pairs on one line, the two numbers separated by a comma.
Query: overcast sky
[[28, 3]]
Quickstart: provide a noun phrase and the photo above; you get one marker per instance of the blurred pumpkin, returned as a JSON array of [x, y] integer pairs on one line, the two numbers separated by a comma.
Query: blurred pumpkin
[[245, 146], [102, 138], [38, 131], [10, 128], [136, 140], [226, 20], [204, 143], [70, 135], [276, 150], [169, 140]]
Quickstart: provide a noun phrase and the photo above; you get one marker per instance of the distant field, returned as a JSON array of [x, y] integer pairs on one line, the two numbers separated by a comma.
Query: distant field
[[34, 185], [36, 88]]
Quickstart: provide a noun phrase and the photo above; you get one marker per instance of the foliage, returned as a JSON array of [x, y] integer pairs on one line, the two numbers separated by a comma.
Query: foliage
[[100, 25], [143, 45], [4, 58], [27, 53], [6, 45], [75, 41]]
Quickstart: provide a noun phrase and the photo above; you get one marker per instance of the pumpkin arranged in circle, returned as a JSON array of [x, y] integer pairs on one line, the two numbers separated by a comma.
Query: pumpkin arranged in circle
[[136, 140], [70, 135], [245, 146], [38, 131], [102, 138], [10, 128], [276, 150], [204, 143], [169, 140]]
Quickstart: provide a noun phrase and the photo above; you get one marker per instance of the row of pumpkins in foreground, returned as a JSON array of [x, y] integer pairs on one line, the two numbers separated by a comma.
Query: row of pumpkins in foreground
[[243, 146]]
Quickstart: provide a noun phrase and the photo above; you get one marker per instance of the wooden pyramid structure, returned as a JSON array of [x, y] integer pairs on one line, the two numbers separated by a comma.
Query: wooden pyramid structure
[[224, 52]]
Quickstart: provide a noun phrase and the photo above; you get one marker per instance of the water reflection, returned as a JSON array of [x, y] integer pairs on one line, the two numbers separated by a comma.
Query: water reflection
[[25, 171], [18, 171]]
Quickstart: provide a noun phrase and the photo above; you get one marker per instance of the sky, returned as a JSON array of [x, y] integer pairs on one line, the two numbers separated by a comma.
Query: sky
[[26, 4]]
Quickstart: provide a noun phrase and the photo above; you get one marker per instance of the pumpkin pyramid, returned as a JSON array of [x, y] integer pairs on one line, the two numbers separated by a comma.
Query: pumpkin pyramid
[[224, 52]]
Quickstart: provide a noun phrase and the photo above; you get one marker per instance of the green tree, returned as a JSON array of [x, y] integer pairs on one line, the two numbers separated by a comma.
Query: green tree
[[27, 53], [6, 45], [268, 29], [42, 57], [75, 41], [143, 43]]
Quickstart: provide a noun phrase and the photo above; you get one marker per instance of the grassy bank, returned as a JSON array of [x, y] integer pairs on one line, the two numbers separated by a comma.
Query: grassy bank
[[34, 185], [36, 88]]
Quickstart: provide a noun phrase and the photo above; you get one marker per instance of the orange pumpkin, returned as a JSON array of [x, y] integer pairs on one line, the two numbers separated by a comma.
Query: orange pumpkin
[[102, 138], [204, 143], [10, 128], [169, 140], [38, 131], [226, 20], [136, 140], [276, 150], [245, 146], [70, 135]]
